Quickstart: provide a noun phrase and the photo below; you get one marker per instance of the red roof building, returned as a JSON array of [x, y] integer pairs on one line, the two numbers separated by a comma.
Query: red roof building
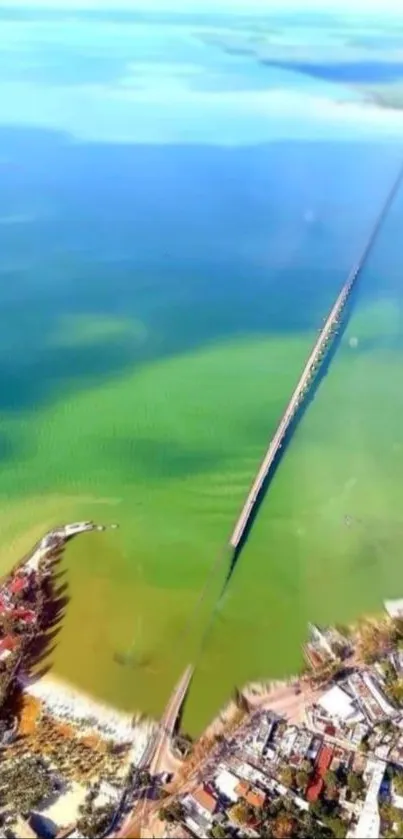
[[314, 789], [8, 643], [324, 760], [205, 799], [317, 783], [18, 584], [26, 615]]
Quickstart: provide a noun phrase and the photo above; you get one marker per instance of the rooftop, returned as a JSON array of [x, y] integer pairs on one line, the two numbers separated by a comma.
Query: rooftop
[[205, 799], [227, 784], [337, 703], [255, 798]]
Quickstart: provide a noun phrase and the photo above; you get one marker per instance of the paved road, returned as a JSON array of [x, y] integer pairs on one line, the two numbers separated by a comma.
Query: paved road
[[154, 756]]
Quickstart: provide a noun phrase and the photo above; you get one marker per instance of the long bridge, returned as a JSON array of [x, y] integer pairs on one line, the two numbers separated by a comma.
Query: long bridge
[[320, 349]]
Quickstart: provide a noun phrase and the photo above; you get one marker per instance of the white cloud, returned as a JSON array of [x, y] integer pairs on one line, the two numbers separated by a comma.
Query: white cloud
[[265, 6]]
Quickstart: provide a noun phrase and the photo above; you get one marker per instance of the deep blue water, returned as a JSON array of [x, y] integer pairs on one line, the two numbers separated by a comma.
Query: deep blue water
[[200, 243], [239, 214]]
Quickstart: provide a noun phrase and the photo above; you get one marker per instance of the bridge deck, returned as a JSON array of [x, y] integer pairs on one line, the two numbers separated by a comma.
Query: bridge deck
[[319, 350]]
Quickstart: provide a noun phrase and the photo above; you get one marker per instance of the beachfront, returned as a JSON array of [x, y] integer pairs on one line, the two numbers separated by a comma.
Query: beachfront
[[66, 703]]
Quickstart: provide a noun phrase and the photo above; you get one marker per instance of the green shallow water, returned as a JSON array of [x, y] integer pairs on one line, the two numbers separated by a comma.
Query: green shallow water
[[169, 453]]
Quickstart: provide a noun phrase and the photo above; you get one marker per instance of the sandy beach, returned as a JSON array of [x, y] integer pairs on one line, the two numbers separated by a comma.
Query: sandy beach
[[66, 702]]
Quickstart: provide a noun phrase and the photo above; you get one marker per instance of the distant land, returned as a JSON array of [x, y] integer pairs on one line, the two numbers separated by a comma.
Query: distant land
[[370, 61]]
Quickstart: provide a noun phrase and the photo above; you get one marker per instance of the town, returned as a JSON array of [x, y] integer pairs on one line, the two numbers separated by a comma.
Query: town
[[320, 755], [330, 764], [66, 761]]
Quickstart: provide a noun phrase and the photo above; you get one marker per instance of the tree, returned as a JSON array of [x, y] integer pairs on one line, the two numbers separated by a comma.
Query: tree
[[389, 813], [302, 779], [283, 826], [97, 822], [310, 827], [25, 783], [398, 783], [389, 672], [307, 767], [355, 782], [337, 826], [386, 727], [395, 691], [331, 779], [173, 812], [218, 831], [317, 809], [241, 701], [287, 776], [241, 813]]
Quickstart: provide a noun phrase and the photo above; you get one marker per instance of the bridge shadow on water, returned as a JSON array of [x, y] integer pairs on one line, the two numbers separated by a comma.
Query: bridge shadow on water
[[292, 428]]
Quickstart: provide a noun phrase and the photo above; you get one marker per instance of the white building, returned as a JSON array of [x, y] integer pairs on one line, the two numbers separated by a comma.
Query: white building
[[226, 784], [340, 706], [369, 823], [394, 608]]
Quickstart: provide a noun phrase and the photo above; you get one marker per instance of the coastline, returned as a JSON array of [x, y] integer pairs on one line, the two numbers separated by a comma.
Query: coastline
[[64, 701]]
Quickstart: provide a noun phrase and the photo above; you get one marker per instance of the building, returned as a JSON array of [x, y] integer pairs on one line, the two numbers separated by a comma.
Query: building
[[340, 706], [256, 798], [369, 822], [199, 809], [226, 784], [18, 584], [242, 789], [7, 647], [205, 800], [371, 699], [317, 782], [318, 639], [394, 608]]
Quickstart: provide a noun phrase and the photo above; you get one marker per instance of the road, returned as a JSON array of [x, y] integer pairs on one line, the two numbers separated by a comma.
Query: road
[[155, 754]]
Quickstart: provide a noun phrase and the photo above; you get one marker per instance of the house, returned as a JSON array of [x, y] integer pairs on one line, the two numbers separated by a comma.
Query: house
[[8, 644], [340, 706], [205, 799], [317, 783], [314, 789], [369, 821], [394, 608], [25, 615], [4, 655], [371, 698], [242, 789], [227, 784], [256, 798], [18, 584]]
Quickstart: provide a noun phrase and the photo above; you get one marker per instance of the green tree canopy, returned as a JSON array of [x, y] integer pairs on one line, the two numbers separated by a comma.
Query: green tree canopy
[[337, 826], [302, 779], [331, 779], [398, 783], [287, 776], [355, 782]]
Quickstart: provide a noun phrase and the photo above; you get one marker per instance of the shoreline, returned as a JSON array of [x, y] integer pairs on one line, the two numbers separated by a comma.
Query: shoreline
[[67, 702]]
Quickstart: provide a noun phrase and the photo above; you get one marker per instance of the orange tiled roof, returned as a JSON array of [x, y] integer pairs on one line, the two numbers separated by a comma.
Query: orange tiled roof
[[205, 799], [242, 788], [256, 798]]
